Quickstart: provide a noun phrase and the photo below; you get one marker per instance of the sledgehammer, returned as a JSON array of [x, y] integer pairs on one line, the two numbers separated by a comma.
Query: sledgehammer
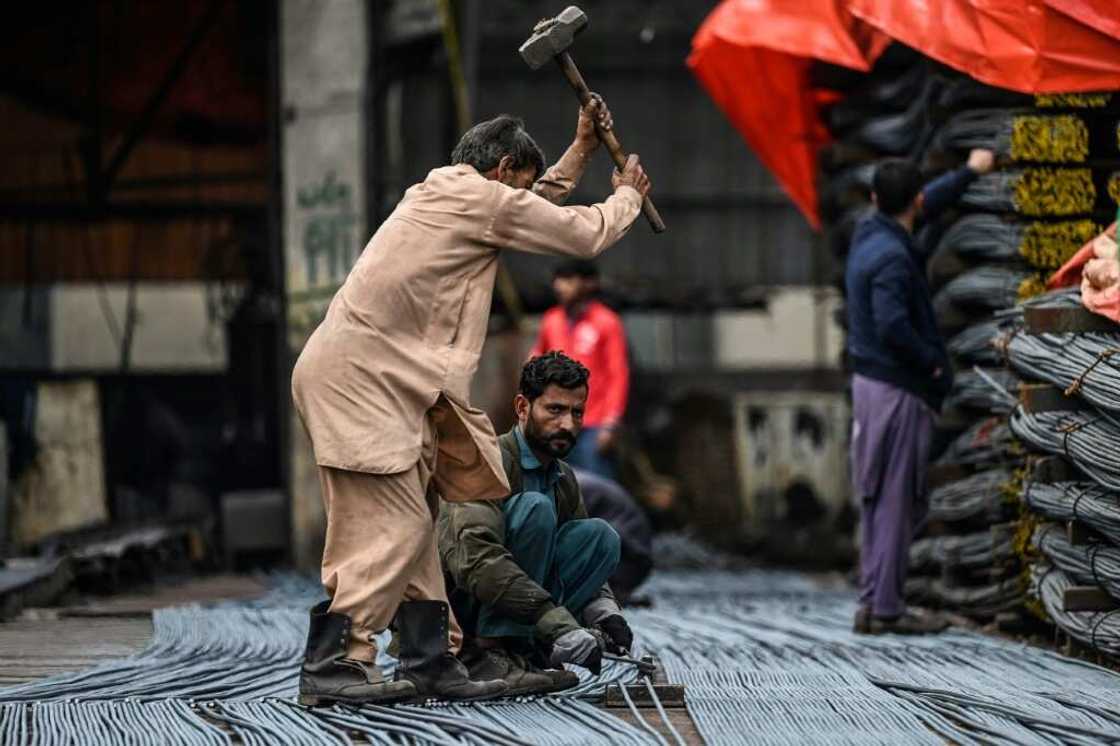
[[550, 40]]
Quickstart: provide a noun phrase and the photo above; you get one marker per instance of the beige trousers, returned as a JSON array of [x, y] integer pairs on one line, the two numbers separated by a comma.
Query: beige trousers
[[381, 546]]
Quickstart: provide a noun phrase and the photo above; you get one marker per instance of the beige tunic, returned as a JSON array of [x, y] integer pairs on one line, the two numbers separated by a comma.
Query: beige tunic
[[407, 326]]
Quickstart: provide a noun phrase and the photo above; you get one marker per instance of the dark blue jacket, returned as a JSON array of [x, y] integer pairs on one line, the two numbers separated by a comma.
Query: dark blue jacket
[[892, 330]]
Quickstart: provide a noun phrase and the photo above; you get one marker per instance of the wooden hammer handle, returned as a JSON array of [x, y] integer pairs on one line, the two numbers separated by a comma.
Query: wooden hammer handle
[[607, 137]]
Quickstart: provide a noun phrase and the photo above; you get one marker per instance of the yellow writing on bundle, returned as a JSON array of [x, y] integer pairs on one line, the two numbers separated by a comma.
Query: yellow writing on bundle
[[1114, 187], [1050, 245], [1072, 100], [1054, 191], [1057, 139]]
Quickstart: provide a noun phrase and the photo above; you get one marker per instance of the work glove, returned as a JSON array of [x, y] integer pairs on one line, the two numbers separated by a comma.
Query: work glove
[[604, 615], [619, 637], [579, 647]]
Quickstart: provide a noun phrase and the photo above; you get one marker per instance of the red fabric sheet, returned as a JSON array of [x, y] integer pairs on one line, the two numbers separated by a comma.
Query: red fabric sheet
[[753, 57], [1024, 45], [1102, 15]]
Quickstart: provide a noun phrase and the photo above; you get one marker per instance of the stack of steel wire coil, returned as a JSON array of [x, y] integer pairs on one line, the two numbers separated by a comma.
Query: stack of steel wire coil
[[1053, 191], [1070, 417]]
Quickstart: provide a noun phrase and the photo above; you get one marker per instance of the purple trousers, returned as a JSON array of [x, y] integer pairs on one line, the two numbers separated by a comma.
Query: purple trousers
[[891, 434]]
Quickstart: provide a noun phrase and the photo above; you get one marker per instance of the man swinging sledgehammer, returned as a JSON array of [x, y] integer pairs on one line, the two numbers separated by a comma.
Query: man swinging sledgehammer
[[382, 390]]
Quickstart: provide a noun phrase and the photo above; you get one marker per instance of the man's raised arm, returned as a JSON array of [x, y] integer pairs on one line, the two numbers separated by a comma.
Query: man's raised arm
[[561, 178]]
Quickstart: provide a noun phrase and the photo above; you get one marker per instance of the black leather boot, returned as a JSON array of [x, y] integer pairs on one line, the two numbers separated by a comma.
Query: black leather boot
[[521, 677], [425, 660], [328, 676]]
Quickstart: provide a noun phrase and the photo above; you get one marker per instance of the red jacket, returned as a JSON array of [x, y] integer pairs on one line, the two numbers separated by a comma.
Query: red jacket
[[598, 340]]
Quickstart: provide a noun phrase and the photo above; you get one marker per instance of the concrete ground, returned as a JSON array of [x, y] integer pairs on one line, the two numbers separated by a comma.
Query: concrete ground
[[45, 642]]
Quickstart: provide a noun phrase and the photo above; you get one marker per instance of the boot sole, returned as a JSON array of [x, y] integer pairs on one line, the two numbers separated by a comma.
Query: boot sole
[[421, 699], [322, 700]]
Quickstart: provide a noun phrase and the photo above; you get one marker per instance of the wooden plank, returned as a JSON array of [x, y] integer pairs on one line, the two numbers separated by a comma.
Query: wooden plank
[[1080, 535], [670, 695], [1054, 320], [1088, 598], [1051, 469], [679, 717], [1043, 397]]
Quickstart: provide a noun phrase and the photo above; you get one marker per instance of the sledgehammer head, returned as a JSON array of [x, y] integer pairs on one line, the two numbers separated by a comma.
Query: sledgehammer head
[[553, 36]]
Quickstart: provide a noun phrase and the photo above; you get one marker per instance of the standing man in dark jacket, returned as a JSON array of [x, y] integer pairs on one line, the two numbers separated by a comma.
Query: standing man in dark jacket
[[901, 374]]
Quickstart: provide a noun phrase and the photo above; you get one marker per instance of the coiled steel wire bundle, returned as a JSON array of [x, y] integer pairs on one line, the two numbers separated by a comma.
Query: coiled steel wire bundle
[[1097, 564], [993, 390], [985, 238], [1017, 134], [985, 288], [980, 495], [1084, 364], [988, 441], [1091, 440], [1035, 192], [976, 344], [1099, 630], [1096, 507], [985, 600], [979, 549]]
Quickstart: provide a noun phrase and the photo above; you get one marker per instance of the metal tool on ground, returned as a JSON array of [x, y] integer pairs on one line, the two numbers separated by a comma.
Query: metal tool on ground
[[651, 690], [550, 41], [645, 665]]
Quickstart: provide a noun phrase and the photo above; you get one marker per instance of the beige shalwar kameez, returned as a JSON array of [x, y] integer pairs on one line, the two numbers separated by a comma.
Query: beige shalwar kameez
[[382, 384]]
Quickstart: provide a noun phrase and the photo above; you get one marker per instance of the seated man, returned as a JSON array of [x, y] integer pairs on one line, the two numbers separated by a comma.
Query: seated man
[[527, 577]]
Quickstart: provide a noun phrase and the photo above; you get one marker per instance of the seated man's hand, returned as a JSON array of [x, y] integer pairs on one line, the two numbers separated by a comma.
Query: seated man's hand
[[579, 647], [981, 160], [619, 637]]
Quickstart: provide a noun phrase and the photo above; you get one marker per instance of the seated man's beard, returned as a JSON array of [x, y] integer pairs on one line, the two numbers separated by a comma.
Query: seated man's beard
[[556, 444]]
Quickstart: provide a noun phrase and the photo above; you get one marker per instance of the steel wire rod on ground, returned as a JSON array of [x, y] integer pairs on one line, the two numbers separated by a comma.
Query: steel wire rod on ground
[[767, 658], [1096, 507], [1096, 564], [980, 496]]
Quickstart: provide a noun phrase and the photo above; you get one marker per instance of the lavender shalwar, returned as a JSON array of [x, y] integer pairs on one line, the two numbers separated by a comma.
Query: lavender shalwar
[[891, 435]]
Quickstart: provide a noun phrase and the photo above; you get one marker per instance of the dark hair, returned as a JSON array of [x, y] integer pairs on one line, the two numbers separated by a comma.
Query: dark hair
[[576, 268], [485, 144], [896, 183], [551, 368]]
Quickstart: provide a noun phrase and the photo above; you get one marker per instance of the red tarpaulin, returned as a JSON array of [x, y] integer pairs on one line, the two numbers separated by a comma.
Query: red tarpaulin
[[1024, 45], [1103, 15], [754, 56]]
